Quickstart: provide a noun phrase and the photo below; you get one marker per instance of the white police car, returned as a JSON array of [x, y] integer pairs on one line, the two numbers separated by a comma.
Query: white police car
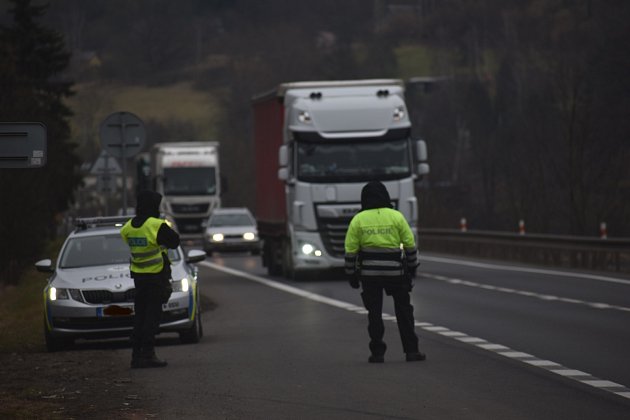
[[90, 293]]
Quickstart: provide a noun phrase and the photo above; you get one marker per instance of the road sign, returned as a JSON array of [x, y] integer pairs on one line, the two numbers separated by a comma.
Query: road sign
[[22, 145], [122, 134], [106, 183], [105, 165]]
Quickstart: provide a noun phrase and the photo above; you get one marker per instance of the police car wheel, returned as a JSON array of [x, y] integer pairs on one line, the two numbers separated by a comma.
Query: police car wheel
[[54, 344], [194, 333]]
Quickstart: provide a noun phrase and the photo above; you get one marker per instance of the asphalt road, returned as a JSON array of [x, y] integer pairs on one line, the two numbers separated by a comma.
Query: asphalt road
[[502, 342]]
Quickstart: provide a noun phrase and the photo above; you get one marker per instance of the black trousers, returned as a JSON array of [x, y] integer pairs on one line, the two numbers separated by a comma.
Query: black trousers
[[148, 311], [372, 296]]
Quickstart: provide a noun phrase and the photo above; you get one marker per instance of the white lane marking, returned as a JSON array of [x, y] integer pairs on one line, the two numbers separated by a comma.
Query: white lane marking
[[459, 282], [526, 270], [498, 349]]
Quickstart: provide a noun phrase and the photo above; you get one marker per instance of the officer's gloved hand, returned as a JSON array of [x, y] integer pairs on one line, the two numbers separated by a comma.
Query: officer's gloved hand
[[409, 277], [354, 281]]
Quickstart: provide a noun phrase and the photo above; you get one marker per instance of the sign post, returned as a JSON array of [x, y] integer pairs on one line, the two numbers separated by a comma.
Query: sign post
[[122, 136]]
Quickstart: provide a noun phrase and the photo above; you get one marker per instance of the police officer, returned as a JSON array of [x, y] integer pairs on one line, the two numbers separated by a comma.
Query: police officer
[[375, 260], [148, 238]]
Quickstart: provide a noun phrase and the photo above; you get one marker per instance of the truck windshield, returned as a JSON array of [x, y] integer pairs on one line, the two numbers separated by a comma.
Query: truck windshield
[[190, 181], [353, 162]]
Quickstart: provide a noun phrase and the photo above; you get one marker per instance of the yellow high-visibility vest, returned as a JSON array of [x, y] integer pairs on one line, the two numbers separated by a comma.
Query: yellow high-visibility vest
[[146, 254], [376, 241]]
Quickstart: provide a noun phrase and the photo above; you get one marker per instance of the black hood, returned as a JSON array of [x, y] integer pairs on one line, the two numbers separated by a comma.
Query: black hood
[[375, 196], [148, 204]]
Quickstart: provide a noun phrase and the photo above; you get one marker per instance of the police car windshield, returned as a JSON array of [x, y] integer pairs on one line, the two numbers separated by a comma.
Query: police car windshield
[[353, 162], [190, 181], [88, 251]]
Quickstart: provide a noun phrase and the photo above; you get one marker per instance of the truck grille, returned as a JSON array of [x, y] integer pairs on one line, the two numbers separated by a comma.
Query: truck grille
[[190, 208], [189, 225], [106, 296], [333, 233]]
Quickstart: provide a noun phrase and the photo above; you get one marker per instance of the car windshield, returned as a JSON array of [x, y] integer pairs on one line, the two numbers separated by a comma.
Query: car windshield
[[96, 250], [353, 162], [190, 181], [240, 219]]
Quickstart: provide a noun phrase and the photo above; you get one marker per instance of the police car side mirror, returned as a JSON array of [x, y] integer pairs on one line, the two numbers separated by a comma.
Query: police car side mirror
[[195, 256], [44, 266]]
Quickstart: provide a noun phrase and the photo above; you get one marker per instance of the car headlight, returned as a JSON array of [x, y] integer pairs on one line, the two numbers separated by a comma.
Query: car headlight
[[181, 285], [217, 237], [64, 294], [308, 249], [249, 236]]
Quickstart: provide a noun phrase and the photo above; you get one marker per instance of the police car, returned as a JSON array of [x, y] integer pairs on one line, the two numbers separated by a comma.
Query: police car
[[90, 293]]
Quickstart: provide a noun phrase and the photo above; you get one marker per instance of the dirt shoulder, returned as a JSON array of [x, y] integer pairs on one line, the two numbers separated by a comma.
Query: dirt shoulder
[[76, 384], [92, 380]]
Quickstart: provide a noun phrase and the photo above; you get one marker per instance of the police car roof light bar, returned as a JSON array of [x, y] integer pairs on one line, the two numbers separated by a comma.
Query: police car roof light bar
[[92, 222]]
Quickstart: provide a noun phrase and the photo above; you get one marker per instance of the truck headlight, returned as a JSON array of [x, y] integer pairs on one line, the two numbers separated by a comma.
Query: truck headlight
[[304, 117], [181, 285], [308, 249], [399, 113]]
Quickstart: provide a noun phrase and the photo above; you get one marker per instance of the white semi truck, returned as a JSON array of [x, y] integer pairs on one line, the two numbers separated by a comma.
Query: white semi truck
[[187, 175], [316, 145]]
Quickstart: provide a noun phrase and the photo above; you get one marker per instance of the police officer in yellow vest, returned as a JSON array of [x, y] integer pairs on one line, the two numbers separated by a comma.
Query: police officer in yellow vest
[[375, 259], [148, 238]]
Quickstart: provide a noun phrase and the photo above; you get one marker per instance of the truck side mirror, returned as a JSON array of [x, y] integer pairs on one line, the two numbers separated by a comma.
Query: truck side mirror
[[422, 169], [283, 156], [283, 174], [421, 151]]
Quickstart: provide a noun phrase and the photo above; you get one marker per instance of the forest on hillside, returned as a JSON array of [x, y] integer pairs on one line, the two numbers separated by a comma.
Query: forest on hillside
[[530, 119]]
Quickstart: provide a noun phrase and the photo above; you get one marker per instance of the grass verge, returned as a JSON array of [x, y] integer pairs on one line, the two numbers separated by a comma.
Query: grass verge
[[22, 310]]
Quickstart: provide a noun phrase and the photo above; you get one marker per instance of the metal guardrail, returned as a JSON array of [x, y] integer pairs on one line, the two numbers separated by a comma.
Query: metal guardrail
[[611, 255]]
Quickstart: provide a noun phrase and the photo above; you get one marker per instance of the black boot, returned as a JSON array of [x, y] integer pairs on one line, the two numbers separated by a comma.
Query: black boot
[[148, 361], [415, 357]]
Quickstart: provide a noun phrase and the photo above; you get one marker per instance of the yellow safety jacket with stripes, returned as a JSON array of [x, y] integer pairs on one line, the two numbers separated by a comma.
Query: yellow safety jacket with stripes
[[380, 243], [146, 254]]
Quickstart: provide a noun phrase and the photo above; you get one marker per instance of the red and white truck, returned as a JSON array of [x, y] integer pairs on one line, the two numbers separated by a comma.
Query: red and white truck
[[316, 145]]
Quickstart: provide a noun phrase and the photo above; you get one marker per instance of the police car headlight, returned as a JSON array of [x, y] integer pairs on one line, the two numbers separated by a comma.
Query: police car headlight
[[249, 236], [217, 237], [65, 294], [181, 285], [57, 294]]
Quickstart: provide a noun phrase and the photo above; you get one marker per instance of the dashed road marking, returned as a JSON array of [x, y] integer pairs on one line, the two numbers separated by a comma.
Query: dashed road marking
[[541, 296], [498, 349], [526, 270]]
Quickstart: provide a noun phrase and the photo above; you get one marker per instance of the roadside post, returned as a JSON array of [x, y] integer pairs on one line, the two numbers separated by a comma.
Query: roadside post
[[122, 136]]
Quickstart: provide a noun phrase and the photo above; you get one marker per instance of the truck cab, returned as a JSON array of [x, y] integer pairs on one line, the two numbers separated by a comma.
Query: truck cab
[[335, 137]]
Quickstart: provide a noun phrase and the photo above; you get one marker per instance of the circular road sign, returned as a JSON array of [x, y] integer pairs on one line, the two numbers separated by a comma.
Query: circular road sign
[[122, 134]]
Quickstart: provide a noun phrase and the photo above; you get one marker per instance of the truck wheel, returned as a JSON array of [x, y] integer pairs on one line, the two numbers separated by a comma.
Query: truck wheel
[[274, 263], [288, 269]]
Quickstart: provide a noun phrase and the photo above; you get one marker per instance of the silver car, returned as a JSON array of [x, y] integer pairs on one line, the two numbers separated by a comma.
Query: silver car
[[231, 229], [90, 293]]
